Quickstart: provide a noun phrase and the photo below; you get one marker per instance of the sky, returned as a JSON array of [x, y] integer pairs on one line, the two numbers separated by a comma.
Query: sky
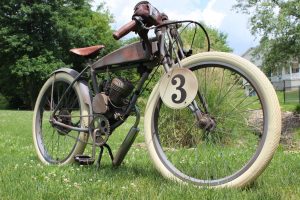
[[215, 13]]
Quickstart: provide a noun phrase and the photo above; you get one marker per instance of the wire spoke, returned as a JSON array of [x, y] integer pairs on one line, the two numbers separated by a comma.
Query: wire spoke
[[228, 148], [58, 142]]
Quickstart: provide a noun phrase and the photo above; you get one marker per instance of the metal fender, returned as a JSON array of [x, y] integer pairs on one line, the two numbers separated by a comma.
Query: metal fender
[[84, 89]]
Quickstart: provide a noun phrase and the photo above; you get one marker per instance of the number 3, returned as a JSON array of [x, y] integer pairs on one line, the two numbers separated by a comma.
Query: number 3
[[179, 88]]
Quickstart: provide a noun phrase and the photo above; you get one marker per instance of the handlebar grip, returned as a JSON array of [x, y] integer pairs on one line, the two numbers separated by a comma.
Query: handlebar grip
[[124, 30]]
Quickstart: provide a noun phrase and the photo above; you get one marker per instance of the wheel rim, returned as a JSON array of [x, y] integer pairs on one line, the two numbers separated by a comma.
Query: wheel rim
[[57, 144], [222, 155]]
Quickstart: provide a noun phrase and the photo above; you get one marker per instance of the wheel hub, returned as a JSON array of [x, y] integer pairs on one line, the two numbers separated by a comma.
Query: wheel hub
[[64, 116], [207, 123]]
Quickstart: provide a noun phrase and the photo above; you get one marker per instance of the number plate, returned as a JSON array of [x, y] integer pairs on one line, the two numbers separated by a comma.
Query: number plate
[[178, 88]]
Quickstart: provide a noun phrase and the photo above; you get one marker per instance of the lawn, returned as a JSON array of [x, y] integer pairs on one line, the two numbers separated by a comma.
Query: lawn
[[22, 176], [289, 105]]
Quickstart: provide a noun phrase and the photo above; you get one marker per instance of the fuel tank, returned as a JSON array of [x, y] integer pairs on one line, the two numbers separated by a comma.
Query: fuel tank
[[131, 54]]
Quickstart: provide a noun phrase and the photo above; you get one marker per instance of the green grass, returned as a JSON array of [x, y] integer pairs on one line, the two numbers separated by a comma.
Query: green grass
[[22, 176], [288, 106], [292, 95]]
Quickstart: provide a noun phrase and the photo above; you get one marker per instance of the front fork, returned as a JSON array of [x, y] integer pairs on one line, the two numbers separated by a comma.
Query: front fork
[[203, 119]]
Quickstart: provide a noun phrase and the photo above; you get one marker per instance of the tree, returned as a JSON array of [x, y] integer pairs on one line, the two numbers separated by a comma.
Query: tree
[[218, 40], [278, 24], [35, 38]]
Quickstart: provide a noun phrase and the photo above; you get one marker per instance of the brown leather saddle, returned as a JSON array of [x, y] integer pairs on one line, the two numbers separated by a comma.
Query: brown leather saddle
[[87, 51]]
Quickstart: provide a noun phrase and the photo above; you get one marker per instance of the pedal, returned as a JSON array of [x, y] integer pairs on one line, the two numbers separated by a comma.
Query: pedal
[[84, 160]]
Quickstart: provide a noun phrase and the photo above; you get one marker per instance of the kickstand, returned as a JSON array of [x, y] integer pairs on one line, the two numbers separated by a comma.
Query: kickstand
[[101, 153], [99, 157]]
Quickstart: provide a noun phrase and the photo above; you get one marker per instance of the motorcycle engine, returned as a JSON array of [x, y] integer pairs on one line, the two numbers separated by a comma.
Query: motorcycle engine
[[120, 89], [113, 96]]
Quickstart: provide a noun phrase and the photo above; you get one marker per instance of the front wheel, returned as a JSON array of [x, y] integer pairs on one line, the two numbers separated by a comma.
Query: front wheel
[[55, 144], [241, 101]]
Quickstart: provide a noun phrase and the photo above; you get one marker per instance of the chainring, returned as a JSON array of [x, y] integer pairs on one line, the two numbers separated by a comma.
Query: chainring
[[100, 130]]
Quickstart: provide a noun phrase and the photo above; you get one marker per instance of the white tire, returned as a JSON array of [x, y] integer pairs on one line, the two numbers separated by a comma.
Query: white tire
[[58, 145], [236, 162]]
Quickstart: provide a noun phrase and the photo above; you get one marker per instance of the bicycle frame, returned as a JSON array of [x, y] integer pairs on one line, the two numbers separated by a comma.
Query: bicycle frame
[[144, 55]]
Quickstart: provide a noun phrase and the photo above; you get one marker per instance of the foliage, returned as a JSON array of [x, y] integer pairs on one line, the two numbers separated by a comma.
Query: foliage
[[297, 109], [278, 22], [35, 37], [224, 94], [218, 40], [3, 102], [193, 35], [131, 40]]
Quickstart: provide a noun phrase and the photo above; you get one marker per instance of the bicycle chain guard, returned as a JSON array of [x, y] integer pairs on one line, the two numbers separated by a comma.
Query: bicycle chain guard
[[178, 88]]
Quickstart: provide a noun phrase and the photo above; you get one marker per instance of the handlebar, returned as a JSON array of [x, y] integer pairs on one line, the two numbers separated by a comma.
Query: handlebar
[[124, 30]]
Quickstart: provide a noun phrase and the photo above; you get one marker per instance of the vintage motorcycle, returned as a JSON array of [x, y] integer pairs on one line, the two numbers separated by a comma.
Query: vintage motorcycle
[[213, 119]]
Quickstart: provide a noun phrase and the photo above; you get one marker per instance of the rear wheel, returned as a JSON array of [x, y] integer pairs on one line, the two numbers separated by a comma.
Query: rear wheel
[[243, 104], [55, 144]]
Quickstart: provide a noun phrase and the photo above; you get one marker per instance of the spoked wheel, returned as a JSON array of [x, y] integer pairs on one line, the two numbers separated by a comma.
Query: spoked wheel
[[55, 144], [243, 105]]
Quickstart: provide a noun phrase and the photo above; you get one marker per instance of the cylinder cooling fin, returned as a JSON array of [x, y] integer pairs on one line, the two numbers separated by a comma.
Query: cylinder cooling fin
[[120, 89]]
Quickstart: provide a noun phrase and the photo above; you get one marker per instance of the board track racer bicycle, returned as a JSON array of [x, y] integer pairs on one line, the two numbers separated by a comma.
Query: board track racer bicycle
[[212, 119]]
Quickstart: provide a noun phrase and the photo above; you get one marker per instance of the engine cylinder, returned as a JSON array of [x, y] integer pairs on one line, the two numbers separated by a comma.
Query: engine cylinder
[[120, 89]]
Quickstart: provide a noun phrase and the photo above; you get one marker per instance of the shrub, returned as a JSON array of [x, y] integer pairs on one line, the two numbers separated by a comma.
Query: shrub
[[3, 102]]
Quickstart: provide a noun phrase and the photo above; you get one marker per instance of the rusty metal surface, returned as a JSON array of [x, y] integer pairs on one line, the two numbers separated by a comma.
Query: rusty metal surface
[[132, 53], [100, 103], [74, 128]]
